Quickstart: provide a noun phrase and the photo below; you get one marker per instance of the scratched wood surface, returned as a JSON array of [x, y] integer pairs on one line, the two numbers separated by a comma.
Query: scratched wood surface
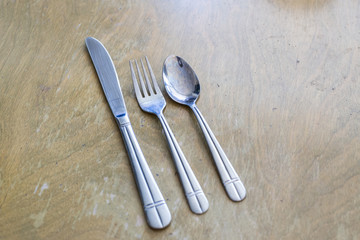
[[279, 87]]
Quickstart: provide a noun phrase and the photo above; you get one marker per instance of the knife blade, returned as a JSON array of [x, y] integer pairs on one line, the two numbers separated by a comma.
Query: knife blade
[[156, 211]]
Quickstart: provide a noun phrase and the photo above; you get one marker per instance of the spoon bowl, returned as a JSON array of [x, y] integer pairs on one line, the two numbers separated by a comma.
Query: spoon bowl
[[181, 82]]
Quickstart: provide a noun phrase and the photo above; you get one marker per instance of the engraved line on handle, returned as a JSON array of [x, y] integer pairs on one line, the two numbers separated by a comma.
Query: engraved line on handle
[[141, 169], [188, 179], [197, 192], [155, 204], [176, 149], [232, 181], [226, 171], [212, 140]]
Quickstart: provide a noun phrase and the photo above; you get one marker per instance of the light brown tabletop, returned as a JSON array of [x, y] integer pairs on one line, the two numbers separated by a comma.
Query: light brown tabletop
[[279, 88]]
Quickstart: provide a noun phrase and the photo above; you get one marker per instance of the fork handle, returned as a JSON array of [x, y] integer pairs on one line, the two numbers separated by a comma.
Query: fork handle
[[156, 211], [196, 198], [230, 180]]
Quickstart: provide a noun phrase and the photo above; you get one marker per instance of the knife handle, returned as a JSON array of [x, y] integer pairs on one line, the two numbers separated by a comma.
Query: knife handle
[[230, 180], [156, 211], [196, 198]]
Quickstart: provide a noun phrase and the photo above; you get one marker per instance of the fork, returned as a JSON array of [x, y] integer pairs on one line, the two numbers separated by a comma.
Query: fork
[[152, 101]]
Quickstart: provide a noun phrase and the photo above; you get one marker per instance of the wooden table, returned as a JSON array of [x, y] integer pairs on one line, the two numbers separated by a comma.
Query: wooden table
[[279, 87]]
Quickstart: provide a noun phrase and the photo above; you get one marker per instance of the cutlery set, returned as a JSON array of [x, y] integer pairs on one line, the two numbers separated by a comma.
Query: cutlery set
[[182, 85]]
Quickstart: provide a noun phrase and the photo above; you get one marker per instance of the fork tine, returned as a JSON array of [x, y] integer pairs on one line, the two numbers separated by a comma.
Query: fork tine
[[145, 93], [147, 78], [156, 86], [136, 85]]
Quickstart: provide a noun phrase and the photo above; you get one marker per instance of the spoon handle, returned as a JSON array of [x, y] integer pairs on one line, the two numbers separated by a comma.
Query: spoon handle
[[196, 198], [231, 181], [156, 211]]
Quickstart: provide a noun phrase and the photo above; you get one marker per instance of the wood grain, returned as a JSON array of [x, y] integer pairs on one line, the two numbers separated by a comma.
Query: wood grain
[[279, 88]]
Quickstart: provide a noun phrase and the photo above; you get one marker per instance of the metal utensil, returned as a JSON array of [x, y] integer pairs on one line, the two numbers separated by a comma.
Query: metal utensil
[[156, 211], [182, 85], [152, 101]]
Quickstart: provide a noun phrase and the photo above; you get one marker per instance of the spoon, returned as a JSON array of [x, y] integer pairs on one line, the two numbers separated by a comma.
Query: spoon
[[182, 85]]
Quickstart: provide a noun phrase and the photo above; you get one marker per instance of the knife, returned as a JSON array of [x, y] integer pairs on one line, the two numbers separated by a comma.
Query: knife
[[156, 211]]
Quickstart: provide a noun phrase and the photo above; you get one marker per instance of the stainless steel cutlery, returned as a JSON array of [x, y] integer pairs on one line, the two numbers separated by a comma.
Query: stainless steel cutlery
[[156, 211], [152, 101], [182, 85]]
